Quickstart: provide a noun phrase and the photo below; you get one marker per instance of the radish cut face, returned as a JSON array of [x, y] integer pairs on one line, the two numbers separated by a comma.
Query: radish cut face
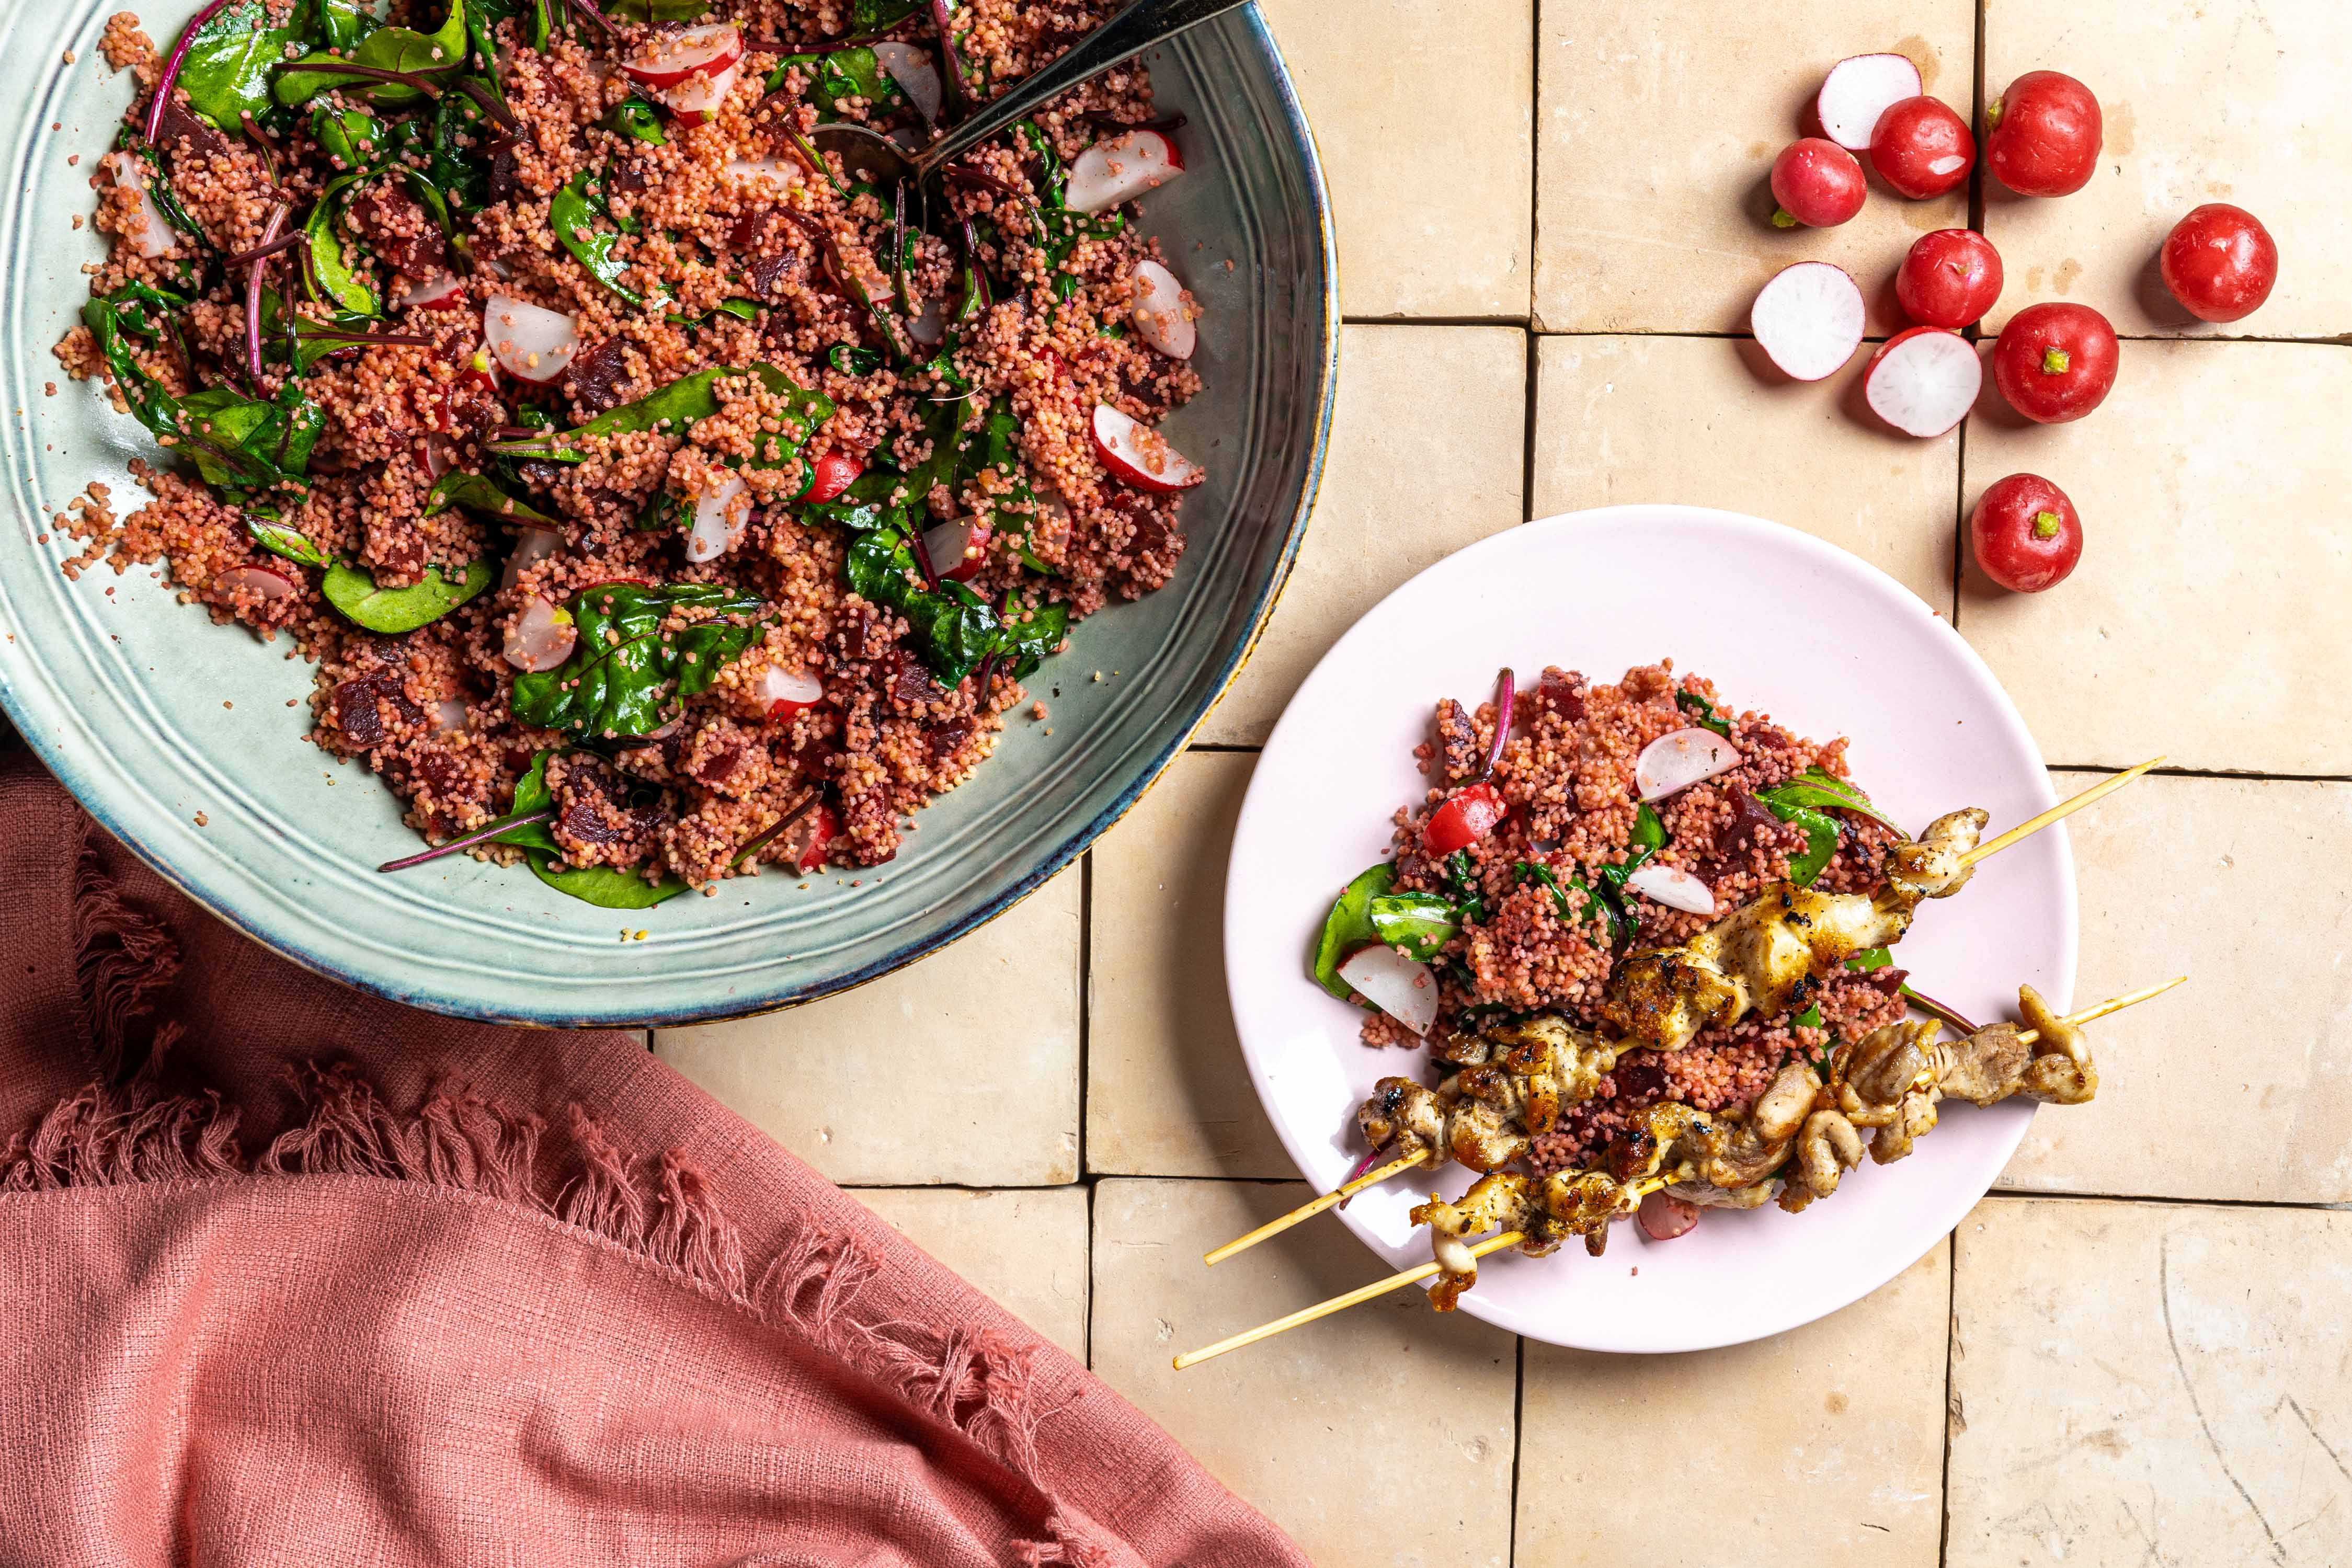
[[1923, 382], [450, 714], [787, 692], [912, 70], [1677, 760], [1140, 455], [1160, 319], [542, 637], [262, 583], [697, 97], [1857, 91], [442, 291], [156, 237], [1120, 170], [533, 545], [528, 342], [1809, 319], [667, 59], [1663, 1217], [1674, 887], [958, 549], [779, 173], [719, 519], [1399, 987]]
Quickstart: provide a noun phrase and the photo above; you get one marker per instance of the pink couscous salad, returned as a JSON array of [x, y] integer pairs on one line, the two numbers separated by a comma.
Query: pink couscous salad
[[656, 500], [1570, 827]]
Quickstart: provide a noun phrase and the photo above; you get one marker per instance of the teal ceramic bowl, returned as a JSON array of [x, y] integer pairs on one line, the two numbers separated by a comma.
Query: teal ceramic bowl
[[177, 735]]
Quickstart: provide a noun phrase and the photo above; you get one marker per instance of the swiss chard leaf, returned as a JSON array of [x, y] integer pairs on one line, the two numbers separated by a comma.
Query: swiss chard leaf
[[634, 117], [341, 23], [953, 628], [477, 494], [659, 10], [1469, 892], [852, 360], [226, 72], [279, 539], [880, 16], [1702, 713], [402, 49], [242, 446], [1420, 923], [1815, 786], [573, 213], [1821, 837], [627, 669], [1648, 838], [604, 886], [393, 610], [841, 74], [531, 796], [1587, 905], [1350, 926], [337, 276], [1874, 958], [351, 136], [673, 409]]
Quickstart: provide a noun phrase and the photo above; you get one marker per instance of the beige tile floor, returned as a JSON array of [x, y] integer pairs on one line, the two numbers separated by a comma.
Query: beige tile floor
[[2131, 1352]]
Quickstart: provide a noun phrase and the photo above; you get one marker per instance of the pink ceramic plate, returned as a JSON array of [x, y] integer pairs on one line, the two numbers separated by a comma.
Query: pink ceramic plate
[[1782, 622]]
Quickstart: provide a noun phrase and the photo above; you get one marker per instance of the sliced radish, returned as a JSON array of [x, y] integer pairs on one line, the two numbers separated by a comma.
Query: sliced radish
[[542, 637], [450, 714], [719, 519], [787, 692], [442, 291], [780, 172], [804, 841], [957, 550], [833, 472], [1858, 90], [1140, 455], [1120, 170], [156, 237], [263, 583], [1809, 319], [1678, 760], [1160, 319], [1674, 887], [533, 545], [435, 456], [694, 101], [531, 343], [1399, 987], [930, 326], [666, 60], [1924, 381], [912, 70], [1663, 1217]]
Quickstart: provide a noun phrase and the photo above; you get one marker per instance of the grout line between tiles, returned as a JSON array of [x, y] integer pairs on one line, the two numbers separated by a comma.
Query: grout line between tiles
[[2030, 1195], [1519, 1442], [1518, 320], [1086, 1014], [1527, 439], [1086, 1341]]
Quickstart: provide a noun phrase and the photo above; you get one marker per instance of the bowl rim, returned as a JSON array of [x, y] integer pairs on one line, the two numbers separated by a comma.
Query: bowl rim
[[79, 774]]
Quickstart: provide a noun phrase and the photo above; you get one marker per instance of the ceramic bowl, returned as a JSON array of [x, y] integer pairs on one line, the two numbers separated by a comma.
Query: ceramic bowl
[[185, 738]]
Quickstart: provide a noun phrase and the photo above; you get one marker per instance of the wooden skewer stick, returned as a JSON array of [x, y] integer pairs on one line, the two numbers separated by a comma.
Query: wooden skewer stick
[[2031, 825], [1309, 1210], [1338, 1304]]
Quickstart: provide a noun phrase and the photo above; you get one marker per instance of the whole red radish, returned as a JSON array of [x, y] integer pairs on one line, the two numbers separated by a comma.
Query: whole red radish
[[1462, 821], [2041, 136], [1950, 279], [2025, 533], [2219, 262], [1922, 149], [1818, 183], [2055, 362]]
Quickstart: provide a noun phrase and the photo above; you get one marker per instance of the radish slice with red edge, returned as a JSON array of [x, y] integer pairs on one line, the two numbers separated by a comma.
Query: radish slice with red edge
[[1161, 317], [1809, 319], [531, 343], [1674, 887], [1120, 170], [804, 841], [958, 549], [912, 70], [694, 101], [929, 325], [450, 714], [263, 583], [787, 692], [156, 237], [1676, 761], [1858, 90], [831, 474], [542, 637], [782, 172], [1140, 455], [1399, 987], [667, 59], [1924, 380], [442, 291], [1506, 697], [1663, 1217], [533, 545], [719, 519]]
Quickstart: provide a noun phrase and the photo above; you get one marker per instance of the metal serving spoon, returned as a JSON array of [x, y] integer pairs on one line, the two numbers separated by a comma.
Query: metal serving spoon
[[875, 157]]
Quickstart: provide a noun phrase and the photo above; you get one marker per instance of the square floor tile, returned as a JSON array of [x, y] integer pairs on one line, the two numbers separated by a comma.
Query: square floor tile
[[1687, 420], [2208, 618], [1656, 132], [1025, 1248], [1380, 1435], [1819, 1445], [1167, 1094], [2150, 1383], [2239, 1085], [1423, 112], [2201, 102], [1427, 454], [963, 1068]]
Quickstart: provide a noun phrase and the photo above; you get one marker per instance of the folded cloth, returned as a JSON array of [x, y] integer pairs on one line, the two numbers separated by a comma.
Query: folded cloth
[[289, 1274]]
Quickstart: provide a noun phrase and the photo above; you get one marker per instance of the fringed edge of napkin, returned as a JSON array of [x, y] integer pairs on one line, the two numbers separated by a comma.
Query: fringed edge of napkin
[[124, 1128]]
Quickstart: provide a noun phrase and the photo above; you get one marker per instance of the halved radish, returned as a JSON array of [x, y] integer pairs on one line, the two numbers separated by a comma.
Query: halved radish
[[1663, 1217], [1399, 987], [1674, 887], [156, 236], [719, 519], [787, 692], [533, 343], [804, 843], [1857, 91], [1809, 319], [833, 472], [1120, 170], [958, 549], [666, 60], [929, 325], [694, 101], [1160, 319], [1676, 761], [442, 291], [542, 637], [435, 456], [449, 713], [263, 583], [1140, 455], [533, 545], [912, 70], [1922, 381], [782, 172]]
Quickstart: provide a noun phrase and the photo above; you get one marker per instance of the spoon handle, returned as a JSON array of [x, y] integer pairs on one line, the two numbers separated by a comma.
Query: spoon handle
[[1133, 30]]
